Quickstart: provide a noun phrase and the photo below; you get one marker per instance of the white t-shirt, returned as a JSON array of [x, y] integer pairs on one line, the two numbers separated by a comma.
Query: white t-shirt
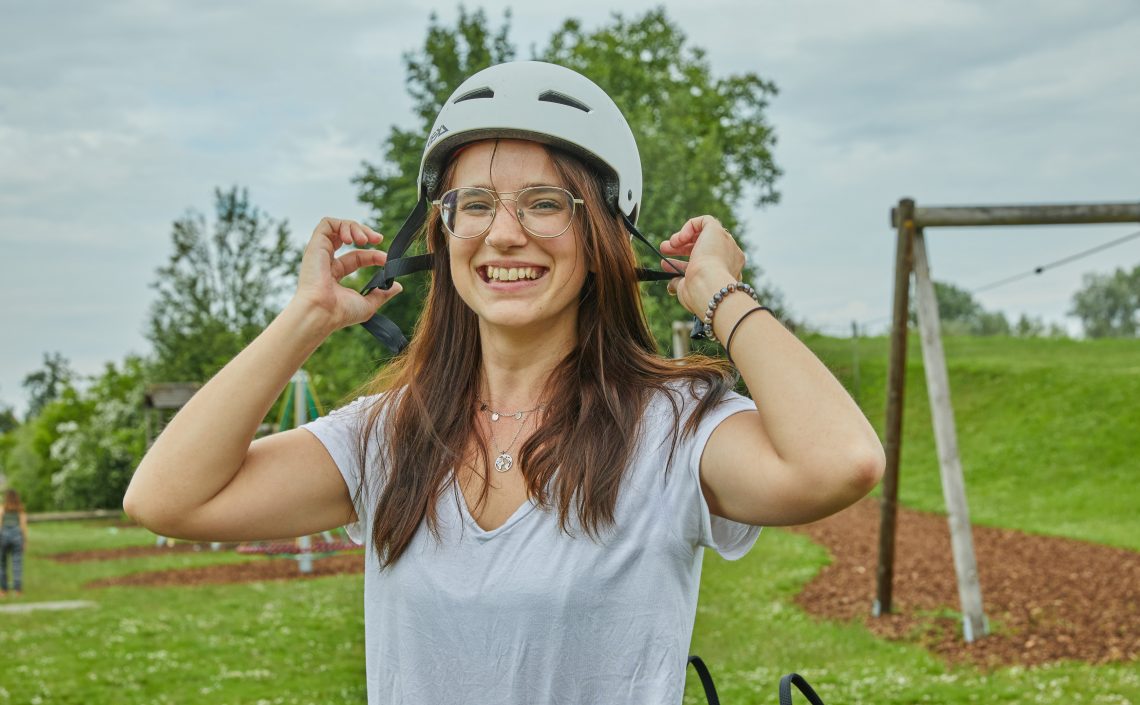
[[525, 615]]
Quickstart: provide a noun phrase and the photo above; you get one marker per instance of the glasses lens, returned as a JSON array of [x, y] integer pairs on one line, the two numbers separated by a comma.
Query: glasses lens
[[467, 212], [545, 210]]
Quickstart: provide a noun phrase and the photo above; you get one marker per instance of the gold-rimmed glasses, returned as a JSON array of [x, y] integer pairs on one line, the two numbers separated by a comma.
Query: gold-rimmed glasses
[[543, 211]]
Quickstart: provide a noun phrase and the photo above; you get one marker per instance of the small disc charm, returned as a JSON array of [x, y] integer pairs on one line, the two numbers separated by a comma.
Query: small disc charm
[[504, 462], [518, 416], [494, 416]]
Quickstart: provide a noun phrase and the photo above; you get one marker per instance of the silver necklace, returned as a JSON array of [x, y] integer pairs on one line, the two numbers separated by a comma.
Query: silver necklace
[[505, 461], [496, 415]]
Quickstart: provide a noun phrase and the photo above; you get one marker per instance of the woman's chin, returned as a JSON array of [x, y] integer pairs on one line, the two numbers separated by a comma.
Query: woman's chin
[[521, 320]]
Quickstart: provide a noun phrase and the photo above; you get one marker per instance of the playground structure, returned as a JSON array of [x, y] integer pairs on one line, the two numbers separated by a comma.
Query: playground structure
[[911, 256]]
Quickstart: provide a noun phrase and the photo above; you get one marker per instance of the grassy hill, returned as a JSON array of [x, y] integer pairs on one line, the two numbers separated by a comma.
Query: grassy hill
[[1048, 430]]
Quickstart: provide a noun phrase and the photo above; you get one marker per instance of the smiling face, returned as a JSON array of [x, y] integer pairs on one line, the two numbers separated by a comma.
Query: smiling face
[[511, 280]]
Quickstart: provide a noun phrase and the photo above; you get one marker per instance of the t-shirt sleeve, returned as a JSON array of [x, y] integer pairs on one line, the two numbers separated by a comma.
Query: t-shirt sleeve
[[340, 432], [731, 539]]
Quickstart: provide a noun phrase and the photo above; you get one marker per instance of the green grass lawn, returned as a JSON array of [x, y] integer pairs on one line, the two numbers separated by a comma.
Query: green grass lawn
[[1047, 431]]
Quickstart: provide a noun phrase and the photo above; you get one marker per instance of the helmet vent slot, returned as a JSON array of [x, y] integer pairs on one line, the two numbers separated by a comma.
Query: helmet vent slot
[[477, 93], [563, 99]]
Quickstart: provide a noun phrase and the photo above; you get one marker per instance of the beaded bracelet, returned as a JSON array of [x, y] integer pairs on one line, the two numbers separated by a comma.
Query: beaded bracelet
[[707, 329]]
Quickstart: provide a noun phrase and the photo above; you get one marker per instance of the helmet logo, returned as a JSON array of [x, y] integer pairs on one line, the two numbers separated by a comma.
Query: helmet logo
[[436, 133]]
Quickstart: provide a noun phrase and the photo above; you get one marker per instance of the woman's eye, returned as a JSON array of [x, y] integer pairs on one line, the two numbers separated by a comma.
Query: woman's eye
[[475, 208], [545, 206]]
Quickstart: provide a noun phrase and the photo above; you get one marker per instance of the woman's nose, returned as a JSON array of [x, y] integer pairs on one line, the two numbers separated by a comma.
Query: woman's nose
[[506, 231]]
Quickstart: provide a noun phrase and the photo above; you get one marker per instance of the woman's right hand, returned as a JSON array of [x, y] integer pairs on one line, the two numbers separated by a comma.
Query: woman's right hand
[[319, 284]]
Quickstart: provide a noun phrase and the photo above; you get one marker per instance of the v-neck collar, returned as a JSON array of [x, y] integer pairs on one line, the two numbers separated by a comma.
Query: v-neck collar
[[528, 506]]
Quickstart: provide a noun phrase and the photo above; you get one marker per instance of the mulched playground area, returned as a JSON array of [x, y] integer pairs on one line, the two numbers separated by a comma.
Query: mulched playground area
[[1047, 599]]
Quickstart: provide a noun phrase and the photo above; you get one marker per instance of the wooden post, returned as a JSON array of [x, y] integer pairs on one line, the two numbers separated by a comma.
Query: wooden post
[[949, 464], [896, 389], [682, 330], [305, 557], [300, 417], [300, 400], [1048, 214]]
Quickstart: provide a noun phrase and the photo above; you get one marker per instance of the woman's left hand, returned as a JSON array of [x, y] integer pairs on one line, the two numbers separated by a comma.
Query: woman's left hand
[[714, 260]]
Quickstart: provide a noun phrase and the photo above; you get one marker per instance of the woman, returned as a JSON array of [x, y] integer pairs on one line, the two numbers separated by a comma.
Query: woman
[[534, 484], [13, 541]]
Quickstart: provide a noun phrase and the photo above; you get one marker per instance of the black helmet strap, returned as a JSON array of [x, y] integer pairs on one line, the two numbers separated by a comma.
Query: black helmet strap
[[388, 333], [381, 327]]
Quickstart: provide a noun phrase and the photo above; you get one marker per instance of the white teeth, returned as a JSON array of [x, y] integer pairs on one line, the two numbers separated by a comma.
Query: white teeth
[[511, 274]]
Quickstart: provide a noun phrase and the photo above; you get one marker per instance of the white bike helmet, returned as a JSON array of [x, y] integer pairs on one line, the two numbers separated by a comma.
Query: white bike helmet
[[530, 100], [546, 103]]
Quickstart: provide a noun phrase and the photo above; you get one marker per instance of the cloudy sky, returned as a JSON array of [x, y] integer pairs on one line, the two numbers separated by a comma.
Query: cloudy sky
[[118, 116]]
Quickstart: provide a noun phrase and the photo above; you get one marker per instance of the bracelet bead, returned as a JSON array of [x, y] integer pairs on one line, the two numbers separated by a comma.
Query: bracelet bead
[[706, 330]]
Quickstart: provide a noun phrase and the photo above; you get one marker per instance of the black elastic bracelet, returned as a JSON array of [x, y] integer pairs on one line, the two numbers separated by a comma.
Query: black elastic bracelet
[[728, 341]]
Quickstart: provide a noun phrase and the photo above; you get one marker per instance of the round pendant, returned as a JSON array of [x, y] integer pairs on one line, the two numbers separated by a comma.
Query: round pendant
[[494, 416], [518, 415], [504, 462]]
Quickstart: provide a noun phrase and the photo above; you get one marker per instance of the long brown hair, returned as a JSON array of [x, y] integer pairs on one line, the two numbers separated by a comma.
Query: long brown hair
[[594, 399], [12, 501]]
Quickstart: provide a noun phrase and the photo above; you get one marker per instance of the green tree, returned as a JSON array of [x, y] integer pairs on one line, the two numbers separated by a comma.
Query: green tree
[[46, 385], [1027, 327], [990, 323], [704, 140], [1109, 304], [955, 306], [219, 289], [97, 452], [960, 314], [27, 461], [8, 419]]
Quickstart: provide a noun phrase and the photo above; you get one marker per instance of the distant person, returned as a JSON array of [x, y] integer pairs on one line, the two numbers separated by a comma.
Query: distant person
[[534, 483], [13, 540]]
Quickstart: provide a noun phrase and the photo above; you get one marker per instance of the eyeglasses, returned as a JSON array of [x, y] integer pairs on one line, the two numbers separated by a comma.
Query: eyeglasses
[[543, 211]]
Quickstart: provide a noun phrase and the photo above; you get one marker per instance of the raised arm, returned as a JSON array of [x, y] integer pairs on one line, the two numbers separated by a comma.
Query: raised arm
[[205, 478], [808, 451]]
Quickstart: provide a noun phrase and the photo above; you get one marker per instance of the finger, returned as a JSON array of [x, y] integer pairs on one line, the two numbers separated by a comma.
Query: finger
[[686, 237], [359, 234], [674, 265], [378, 297], [692, 229], [373, 236], [668, 247], [350, 262], [345, 232], [327, 234]]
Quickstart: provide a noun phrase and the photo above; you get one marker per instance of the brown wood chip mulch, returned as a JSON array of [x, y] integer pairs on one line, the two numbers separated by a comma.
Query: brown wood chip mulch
[[114, 554], [1046, 598], [249, 571]]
